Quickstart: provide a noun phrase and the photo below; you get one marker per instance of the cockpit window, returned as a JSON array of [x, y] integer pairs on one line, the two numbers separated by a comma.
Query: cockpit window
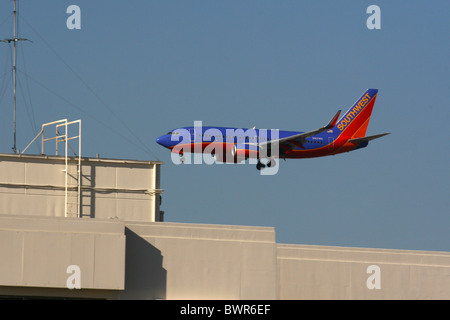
[[172, 133]]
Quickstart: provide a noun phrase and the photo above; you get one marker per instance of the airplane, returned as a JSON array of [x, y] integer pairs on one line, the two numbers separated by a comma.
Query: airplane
[[233, 145]]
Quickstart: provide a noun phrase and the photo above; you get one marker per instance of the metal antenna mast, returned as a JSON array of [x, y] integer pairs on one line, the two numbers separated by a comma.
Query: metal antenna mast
[[14, 40]]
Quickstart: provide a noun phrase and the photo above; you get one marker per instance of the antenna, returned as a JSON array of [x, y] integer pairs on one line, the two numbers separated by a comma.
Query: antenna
[[14, 40]]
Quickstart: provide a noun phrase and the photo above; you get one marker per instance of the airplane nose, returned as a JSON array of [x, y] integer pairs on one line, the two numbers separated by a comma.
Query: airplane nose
[[162, 141]]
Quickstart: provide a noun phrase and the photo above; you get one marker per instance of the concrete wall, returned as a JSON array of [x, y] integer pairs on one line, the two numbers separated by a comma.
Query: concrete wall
[[162, 261], [37, 251], [155, 260], [193, 261], [320, 272], [35, 185]]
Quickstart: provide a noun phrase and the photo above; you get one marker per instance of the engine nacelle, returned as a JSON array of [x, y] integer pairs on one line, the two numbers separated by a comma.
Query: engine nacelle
[[244, 151], [226, 157]]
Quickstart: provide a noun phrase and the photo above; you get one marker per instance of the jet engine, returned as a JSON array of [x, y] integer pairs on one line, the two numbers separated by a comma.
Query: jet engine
[[244, 151]]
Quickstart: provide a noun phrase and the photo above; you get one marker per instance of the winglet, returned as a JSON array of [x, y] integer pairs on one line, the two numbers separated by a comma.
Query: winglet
[[333, 121]]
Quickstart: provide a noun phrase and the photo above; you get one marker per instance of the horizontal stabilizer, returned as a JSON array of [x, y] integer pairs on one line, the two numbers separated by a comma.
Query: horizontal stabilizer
[[368, 138]]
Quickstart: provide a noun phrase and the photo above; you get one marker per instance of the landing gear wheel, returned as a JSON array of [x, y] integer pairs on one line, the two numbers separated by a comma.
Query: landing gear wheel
[[260, 166]]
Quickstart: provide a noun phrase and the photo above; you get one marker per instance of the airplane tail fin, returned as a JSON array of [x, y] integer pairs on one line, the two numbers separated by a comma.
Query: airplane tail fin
[[354, 122]]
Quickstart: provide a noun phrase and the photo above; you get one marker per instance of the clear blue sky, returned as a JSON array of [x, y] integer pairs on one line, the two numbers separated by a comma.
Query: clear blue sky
[[285, 64]]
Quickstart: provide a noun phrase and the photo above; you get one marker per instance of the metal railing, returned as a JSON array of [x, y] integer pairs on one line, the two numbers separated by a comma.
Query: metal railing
[[62, 135]]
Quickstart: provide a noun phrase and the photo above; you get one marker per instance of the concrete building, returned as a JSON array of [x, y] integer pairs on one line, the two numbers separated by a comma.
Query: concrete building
[[107, 238], [92, 187]]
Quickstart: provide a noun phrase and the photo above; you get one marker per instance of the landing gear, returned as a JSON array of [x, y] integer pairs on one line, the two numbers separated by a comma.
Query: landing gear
[[182, 158], [260, 165], [270, 163]]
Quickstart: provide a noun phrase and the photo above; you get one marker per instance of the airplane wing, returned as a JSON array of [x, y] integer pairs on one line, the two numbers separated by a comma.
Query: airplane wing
[[299, 139]]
